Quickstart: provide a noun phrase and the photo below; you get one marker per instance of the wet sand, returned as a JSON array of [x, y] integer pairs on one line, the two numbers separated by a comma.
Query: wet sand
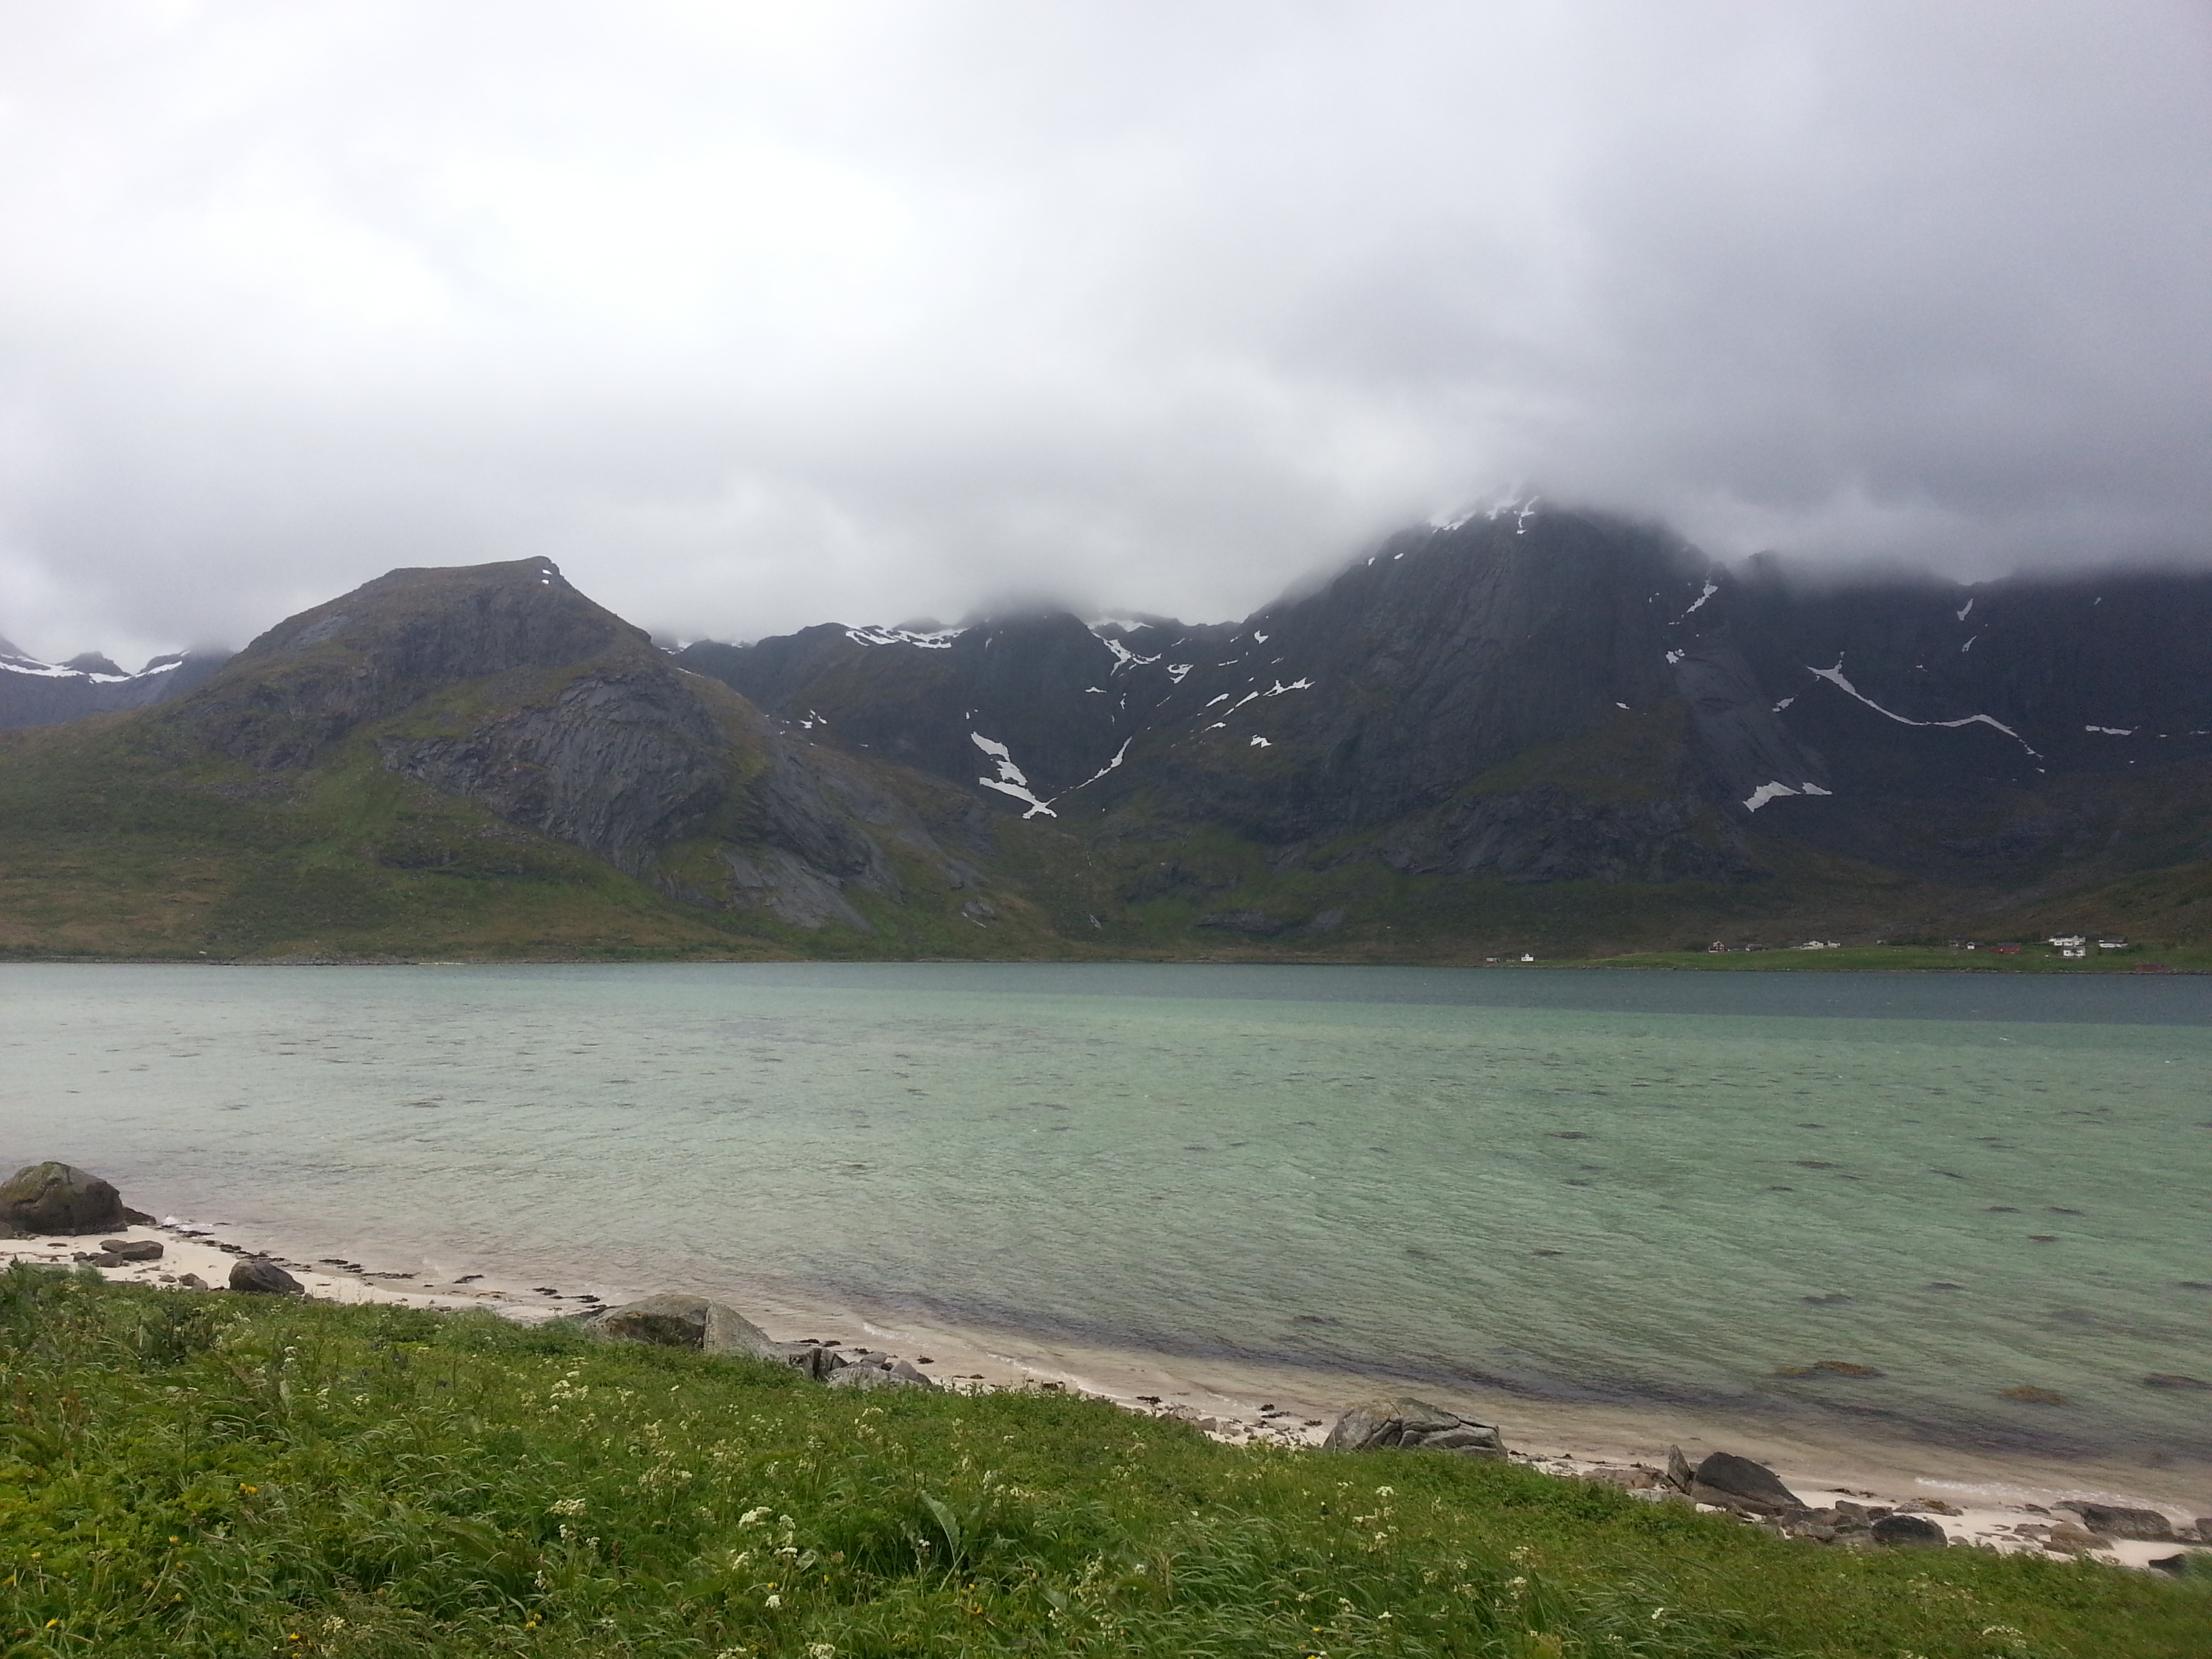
[[2000, 1501]]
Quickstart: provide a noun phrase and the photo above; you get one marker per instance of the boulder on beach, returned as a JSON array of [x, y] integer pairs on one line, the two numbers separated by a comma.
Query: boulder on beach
[[263, 1277], [879, 1371], [1730, 1482], [664, 1322], [1408, 1425], [1843, 1522], [2067, 1539], [133, 1250], [1909, 1531], [2117, 1520], [670, 1320], [61, 1198], [729, 1332], [816, 1361]]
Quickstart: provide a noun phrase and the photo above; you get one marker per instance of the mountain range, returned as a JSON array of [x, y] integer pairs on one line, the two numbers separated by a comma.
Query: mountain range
[[35, 693], [1531, 730]]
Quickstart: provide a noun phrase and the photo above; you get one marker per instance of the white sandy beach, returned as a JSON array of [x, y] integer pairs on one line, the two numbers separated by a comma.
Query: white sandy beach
[[1997, 1501]]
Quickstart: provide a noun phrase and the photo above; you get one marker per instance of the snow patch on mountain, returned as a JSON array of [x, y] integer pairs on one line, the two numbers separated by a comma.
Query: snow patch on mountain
[[939, 640], [1123, 657], [1767, 792], [1012, 780], [1095, 776], [1835, 678]]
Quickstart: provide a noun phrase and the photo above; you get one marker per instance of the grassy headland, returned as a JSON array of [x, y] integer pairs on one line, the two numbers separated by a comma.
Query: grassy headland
[[188, 1475]]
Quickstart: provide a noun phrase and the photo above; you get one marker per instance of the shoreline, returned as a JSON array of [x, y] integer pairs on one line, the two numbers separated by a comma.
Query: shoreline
[[2008, 1502], [1625, 963]]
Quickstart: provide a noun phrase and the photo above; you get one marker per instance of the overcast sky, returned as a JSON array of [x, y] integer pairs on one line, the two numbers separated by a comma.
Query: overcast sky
[[754, 316]]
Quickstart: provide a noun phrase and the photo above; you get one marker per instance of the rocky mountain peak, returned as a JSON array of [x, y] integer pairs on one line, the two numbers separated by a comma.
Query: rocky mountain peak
[[371, 653]]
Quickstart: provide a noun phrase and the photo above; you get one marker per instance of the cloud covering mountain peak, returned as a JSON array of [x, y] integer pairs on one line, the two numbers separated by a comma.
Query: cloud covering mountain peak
[[750, 315]]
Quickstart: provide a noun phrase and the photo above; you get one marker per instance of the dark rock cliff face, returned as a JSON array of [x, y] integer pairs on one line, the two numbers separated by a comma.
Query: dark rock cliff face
[[1551, 696], [1061, 697], [34, 693], [620, 762]]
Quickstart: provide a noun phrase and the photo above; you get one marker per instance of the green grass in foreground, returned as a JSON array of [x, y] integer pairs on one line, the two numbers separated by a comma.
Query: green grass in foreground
[[187, 1475]]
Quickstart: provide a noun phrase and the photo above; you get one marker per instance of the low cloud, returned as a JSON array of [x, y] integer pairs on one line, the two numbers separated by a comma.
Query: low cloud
[[758, 315]]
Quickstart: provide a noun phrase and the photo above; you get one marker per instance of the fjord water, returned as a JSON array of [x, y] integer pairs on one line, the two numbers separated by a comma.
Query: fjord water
[[1587, 1185]]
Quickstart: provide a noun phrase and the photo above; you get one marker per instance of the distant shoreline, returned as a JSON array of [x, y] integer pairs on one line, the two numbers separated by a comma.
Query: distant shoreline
[[1683, 962]]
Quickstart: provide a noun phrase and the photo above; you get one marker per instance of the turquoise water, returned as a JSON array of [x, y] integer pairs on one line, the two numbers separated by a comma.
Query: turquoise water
[[1585, 1185]]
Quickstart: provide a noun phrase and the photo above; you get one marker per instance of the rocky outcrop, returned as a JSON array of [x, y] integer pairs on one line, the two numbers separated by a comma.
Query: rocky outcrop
[[259, 1276], [2116, 1521], [878, 1371], [1908, 1532], [316, 677], [61, 1198], [1408, 1425], [664, 1321], [621, 761], [695, 1322], [122, 1252], [1728, 1481], [676, 1321]]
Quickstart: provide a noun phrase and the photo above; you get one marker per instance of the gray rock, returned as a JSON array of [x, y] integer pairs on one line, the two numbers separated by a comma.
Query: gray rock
[[871, 1374], [1679, 1475], [812, 1357], [1635, 1477], [261, 1276], [666, 1321], [129, 1249], [1410, 1425], [59, 1198], [1736, 1483], [1844, 1520], [729, 1332], [1909, 1531], [190, 1282], [2114, 1521], [691, 1322]]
